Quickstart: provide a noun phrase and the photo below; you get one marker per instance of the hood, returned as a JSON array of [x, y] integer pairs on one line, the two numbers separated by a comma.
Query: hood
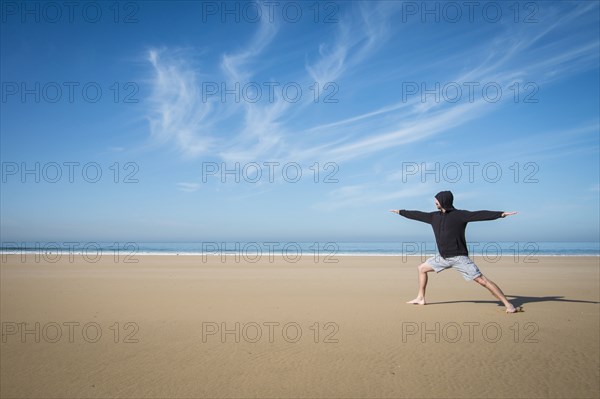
[[445, 199]]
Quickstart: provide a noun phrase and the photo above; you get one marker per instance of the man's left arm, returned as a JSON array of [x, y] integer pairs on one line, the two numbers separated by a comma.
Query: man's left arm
[[477, 216]]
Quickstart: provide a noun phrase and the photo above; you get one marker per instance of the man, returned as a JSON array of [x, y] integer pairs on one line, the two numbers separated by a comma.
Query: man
[[449, 226]]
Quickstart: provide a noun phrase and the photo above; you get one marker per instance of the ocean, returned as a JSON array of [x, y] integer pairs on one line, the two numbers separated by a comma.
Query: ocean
[[291, 249]]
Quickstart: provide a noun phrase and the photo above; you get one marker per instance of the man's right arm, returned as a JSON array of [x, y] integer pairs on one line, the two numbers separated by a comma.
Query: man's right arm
[[424, 217]]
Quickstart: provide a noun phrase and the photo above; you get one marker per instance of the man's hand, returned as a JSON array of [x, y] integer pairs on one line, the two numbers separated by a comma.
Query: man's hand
[[396, 211], [505, 214]]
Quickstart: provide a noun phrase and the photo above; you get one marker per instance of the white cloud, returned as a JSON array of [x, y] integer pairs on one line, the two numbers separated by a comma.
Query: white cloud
[[258, 130], [178, 114], [188, 187], [361, 195]]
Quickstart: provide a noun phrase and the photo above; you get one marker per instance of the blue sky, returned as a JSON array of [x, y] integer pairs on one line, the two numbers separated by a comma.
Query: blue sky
[[369, 94]]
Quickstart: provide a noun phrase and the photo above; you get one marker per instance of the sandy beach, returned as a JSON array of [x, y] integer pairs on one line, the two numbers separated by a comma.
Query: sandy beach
[[188, 327]]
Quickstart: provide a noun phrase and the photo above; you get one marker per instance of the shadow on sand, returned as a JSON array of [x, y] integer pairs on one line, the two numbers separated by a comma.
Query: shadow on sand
[[518, 301]]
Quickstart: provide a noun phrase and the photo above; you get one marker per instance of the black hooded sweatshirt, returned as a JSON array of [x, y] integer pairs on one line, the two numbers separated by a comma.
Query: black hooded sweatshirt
[[449, 227]]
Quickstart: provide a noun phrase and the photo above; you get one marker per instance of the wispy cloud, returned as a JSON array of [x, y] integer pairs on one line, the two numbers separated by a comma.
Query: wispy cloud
[[362, 195], [178, 114], [358, 35], [188, 187], [543, 52], [237, 65], [506, 59]]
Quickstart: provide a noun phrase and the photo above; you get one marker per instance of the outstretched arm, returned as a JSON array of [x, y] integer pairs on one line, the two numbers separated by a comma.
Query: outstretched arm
[[477, 216], [415, 215]]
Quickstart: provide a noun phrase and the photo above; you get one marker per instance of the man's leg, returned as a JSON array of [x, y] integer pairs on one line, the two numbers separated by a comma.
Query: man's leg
[[496, 291], [423, 269]]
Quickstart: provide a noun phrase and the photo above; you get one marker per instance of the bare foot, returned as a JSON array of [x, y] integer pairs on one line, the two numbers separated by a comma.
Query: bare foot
[[417, 301]]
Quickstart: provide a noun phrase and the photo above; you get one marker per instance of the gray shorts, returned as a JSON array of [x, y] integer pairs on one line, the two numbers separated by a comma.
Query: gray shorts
[[463, 264]]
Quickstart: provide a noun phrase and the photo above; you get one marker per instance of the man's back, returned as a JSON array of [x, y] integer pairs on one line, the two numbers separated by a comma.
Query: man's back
[[449, 227]]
